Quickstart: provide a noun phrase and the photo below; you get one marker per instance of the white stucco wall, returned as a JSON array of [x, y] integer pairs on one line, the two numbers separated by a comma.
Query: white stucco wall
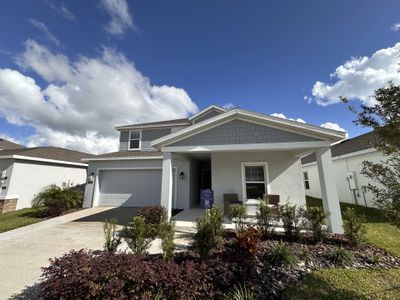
[[29, 178], [283, 173], [342, 166], [6, 165]]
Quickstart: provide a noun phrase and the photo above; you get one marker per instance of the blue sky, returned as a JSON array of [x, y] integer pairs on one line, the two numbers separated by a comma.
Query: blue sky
[[163, 59]]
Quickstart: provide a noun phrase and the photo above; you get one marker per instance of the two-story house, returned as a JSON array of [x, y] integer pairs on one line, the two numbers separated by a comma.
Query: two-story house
[[251, 154]]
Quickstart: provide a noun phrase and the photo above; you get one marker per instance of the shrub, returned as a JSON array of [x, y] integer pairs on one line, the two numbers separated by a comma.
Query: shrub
[[238, 216], [291, 218], [240, 292], [112, 240], [153, 215], [315, 219], [248, 240], [138, 235], [58, 200], [209, 232], [304, 254], [264, 218], [354, 227], [280, 255], [84, 275], [341, 256], [167, 234]]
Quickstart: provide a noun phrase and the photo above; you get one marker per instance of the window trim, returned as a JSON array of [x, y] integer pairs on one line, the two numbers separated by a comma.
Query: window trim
[[140, 140], [306, 180], [266, 179]]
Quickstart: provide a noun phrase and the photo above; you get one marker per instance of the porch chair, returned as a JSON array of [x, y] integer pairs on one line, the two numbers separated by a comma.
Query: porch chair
[[230, 200], [273, 201]]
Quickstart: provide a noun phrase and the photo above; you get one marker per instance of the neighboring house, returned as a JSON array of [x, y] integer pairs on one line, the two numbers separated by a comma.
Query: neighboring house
[[168, 163], [26, 171], [347, 156]]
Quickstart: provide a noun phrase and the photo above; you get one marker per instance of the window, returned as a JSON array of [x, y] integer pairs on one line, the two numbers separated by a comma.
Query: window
[[255, 183], [306, 180], [134, 140]]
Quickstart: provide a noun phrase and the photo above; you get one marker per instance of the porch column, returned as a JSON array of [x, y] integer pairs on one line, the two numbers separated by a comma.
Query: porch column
[[330, 198], [166, 183]]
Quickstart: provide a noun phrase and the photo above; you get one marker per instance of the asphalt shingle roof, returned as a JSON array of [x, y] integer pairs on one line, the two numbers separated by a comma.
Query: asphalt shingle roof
[[54, 153], [361, 142], [5, 145], [184, 121], [126, 154]]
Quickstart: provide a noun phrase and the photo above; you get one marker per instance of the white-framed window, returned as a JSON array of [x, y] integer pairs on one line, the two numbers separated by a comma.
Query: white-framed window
[[255, 180], [135, 139], [306, 181]]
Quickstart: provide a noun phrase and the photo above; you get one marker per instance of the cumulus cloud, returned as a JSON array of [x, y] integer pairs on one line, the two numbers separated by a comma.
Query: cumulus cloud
[[84, 99], [62, 10], [359, 77], [395, 27], [45, 30], [282, 116], [334, 126], [228, 106], [121, 19]]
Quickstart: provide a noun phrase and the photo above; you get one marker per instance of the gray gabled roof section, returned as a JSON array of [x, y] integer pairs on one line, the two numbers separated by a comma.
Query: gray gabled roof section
[[6, 145]]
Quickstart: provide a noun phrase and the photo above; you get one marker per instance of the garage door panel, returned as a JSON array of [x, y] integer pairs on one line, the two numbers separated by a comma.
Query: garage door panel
[[132, 188]]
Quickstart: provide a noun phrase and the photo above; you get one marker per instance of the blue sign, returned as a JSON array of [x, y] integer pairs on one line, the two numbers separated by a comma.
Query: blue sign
[[206, 198]]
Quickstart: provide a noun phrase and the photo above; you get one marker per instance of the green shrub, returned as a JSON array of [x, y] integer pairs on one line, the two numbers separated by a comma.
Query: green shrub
[[153, 215], [167, 234], [264, 218], [340, 256], [354, 227], [240, 292], [304, 254], [58, 199], [209, 232], [138, 235], [315, 219], [112, 240], [248, 240], [291, 218], [237, 214], [280, 255]]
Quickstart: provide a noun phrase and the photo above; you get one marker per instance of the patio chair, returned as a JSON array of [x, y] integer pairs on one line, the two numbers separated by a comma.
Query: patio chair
[[273, 201], [229, 200]]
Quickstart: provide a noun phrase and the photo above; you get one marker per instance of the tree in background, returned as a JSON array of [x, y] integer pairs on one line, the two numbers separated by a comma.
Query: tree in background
[[384, 118]]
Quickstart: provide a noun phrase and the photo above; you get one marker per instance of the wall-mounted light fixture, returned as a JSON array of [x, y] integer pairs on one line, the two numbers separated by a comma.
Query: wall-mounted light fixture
[[90, 178], [181, 175]]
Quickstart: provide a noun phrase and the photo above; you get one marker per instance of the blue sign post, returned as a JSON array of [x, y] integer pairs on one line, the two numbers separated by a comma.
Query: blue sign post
[[206, 198]]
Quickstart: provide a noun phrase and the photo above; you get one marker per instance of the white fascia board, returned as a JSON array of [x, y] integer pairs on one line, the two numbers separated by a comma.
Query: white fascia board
[[38, 159], [344, 156], [206, 110], [296, 127], [247, 147], [183, 124], [121, 158]]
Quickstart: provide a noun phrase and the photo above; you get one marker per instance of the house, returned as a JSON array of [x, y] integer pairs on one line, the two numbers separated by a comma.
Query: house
[[6, 145], [348, 156], [167, 163], [26, 171]]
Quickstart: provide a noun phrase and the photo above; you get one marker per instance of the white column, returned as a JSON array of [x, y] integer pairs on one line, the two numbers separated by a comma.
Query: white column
[[166, 183], [330, 198]]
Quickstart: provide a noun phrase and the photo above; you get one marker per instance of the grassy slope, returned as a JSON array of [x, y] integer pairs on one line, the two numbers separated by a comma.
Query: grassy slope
[[19, 218], [355, 284]]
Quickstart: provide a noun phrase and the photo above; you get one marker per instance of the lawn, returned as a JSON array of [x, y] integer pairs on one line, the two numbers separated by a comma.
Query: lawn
[[355, 284], [19, 218]]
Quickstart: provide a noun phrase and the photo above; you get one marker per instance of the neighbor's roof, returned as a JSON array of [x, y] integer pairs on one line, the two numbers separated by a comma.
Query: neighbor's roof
[[5, 145], [48, 153], [358, 143], [124, 155], [174, 122]]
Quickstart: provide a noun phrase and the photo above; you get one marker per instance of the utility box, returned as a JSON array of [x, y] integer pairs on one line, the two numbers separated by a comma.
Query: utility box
[[206, 198]]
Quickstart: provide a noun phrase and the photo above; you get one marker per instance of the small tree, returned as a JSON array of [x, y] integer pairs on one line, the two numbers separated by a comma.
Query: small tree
[[167, 235], [291, 218], [354, 227], [315, 219], [384, 118], [238, 216], [138, 235], [264, 218], [112, 240]]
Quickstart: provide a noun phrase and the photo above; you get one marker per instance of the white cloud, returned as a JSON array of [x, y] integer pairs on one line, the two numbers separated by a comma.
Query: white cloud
[[282, 116], [395, 27], [358, 78], [334, 126], [45, 30], [121, 18], [62, 10], [228, 106], [84, 99]]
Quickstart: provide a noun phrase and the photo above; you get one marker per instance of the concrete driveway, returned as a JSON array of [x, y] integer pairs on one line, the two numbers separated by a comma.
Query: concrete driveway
[[25, 250]]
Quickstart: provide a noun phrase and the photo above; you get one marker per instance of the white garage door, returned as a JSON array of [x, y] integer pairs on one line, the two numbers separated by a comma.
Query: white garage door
[[134, 188]]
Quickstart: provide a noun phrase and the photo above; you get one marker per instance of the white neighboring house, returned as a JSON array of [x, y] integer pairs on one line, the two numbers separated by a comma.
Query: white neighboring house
[[238, 151], [26, 171], [347, 157]]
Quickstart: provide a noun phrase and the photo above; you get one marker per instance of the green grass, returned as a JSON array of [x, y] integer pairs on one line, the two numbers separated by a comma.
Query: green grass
[[19, 218], [351, 283]]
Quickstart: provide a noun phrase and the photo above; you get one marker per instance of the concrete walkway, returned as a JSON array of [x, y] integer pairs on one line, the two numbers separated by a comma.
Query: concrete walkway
[[25, 250]]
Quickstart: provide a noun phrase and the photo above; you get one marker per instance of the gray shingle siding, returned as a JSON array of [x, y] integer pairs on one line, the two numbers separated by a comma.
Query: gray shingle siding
[[148, 135], [241, 132], [207, 116]]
